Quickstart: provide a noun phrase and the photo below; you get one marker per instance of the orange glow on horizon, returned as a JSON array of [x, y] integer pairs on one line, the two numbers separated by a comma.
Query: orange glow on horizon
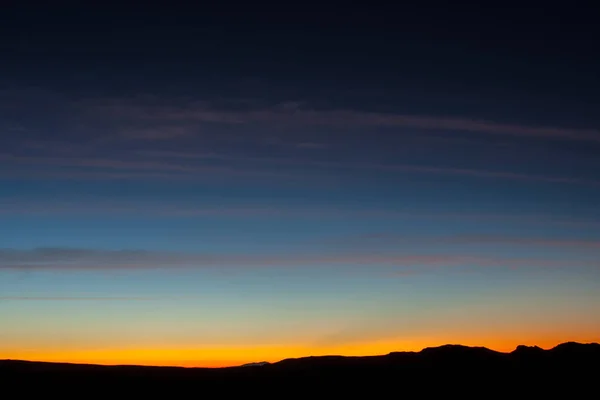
[[233, 356]]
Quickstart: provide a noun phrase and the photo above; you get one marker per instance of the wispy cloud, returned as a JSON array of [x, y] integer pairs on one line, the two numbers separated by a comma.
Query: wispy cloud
[[166, 164], [158, 118], [389, 168], [97, 163], [96, 123], [480, 173], [472, 239], [117, 168], [295, 113], [48, 259], [525, 241], [20, 206]]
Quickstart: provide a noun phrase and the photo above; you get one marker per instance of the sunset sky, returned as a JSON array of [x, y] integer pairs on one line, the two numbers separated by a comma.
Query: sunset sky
[[212, 187]]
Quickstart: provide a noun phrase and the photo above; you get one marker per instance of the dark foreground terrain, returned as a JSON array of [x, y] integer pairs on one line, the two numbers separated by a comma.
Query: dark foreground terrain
[[569, 369]]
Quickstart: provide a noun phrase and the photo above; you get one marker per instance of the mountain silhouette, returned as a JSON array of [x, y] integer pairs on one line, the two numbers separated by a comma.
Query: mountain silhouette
[[255, 364], [568, 368]]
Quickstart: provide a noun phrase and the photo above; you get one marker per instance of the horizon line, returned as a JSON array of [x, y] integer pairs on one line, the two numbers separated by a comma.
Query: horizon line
[[250, 364]]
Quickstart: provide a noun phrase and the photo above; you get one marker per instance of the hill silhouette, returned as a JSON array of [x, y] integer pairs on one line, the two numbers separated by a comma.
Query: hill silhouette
[[568, 368]]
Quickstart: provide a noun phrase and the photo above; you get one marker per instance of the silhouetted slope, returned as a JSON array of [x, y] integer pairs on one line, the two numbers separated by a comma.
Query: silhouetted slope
[[568, 368]]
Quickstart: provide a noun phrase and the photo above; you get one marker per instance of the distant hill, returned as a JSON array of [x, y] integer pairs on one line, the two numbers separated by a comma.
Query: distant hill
[[567, 368], [255, 364]]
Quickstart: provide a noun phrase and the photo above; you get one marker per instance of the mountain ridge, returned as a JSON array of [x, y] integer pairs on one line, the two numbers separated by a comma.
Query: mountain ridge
[[568, 369], [447, 349]]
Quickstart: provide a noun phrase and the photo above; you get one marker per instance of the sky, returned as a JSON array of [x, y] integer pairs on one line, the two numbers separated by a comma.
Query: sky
[[216, 186]]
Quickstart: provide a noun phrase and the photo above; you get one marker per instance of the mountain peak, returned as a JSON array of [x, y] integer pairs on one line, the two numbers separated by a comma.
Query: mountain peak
[[255, 364], [527, 349]]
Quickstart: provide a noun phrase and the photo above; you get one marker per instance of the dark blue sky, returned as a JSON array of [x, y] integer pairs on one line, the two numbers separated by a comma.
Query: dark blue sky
[[385, 165]]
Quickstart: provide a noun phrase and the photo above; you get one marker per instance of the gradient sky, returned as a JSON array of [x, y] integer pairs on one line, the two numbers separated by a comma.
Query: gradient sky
[[210, 187]]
